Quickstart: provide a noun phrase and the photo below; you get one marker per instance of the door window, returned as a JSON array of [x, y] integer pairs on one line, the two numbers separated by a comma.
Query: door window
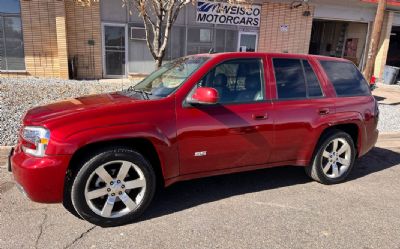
[[237, 81], [313, 86], [289, 79], [295, 79]]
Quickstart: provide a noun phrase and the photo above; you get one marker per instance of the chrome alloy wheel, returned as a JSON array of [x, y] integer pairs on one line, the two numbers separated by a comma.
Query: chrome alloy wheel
[[115, 189], [336, 158]]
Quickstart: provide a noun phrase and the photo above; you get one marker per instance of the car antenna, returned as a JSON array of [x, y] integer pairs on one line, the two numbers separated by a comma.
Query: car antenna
[[211, 51]]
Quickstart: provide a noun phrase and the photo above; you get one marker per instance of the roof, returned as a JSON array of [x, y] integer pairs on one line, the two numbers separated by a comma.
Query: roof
[[389, 2]]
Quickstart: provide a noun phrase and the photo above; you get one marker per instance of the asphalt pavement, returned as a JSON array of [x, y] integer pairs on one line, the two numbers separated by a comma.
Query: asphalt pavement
[[271, 208]]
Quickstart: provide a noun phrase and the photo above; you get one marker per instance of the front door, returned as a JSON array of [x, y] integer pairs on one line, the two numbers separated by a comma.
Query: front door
[[236, 132], [247, 41], [114, 40]]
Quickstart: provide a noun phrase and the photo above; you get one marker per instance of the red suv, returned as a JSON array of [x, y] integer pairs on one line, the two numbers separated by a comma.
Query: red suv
[[104, 155]]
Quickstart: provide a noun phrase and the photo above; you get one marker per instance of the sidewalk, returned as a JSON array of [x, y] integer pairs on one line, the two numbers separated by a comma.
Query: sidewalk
[[387, 94]]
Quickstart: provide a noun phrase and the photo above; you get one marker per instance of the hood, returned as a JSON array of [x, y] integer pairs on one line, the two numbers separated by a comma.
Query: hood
[[74, 106]]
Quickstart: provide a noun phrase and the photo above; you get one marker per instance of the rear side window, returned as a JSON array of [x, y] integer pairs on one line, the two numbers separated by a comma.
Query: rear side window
[[295, 79], [346, 78]]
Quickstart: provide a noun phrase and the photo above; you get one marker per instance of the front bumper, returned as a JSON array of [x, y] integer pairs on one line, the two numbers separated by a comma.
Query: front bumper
[[42, 179]]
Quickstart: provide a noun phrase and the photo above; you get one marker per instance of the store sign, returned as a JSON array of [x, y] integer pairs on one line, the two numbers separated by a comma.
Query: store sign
[[224, 13]]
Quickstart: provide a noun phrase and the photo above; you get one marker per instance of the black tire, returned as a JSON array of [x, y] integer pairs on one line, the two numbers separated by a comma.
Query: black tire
[[108, 155], [315, 169]]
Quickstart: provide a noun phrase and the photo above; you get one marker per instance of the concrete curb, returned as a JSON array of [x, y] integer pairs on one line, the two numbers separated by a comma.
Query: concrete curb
[[4, 151], [5, 148]]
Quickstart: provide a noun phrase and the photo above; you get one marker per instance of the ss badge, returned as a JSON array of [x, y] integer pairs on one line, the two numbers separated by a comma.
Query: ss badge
[[200, 153]]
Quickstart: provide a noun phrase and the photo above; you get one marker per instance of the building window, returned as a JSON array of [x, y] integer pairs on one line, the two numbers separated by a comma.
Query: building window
[[199, 40], [11, 40]]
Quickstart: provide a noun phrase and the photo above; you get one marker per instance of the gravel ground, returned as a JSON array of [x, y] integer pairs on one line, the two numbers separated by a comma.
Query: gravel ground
[[19, 95], [389, 119]]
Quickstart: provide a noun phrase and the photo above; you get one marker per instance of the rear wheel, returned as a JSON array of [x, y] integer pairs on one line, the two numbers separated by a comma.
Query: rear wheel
[[114, 187], [334, 158]]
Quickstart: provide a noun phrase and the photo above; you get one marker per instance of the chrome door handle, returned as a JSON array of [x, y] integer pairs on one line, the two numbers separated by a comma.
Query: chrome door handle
[[260, 116], [323, 111]]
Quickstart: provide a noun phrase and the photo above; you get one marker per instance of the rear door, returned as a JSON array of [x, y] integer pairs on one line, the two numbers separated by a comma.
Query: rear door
[[236, 132], [301, 104]]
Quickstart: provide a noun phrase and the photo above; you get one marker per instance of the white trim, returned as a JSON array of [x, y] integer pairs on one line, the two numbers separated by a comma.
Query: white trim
[[338, 20], [366, 48], [240, 33], [13, 71], [103, 51]]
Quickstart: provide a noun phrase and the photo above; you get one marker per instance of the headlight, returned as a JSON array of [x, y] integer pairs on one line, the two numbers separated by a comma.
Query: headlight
[[35, 141]]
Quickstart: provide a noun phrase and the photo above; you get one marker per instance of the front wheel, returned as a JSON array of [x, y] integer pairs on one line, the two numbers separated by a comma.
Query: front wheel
[[334, 158], [114, 187]]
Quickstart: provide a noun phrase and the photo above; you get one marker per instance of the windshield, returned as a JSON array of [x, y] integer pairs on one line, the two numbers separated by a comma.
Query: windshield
[[169, 77]]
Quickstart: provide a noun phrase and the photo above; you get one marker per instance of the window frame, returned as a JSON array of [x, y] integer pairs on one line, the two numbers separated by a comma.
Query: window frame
[[17, 15], [307, 97], [132, 28], [263, 84], [316, 76]]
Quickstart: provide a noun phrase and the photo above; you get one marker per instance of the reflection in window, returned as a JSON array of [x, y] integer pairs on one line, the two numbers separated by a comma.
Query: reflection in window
[[237, 81], [289, 79], [11, 40]]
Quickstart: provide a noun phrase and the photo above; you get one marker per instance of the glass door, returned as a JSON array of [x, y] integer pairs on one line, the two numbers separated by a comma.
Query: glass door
[[247, 41], [114, 57]]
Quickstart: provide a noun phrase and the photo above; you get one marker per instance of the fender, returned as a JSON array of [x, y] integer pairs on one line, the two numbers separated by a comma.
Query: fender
[[166, 147], [342, 118], [339, 118]]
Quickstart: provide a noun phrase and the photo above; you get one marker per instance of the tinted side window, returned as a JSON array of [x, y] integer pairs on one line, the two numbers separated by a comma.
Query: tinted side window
[[313, 86], [346, 78], [237, 81], [289, 79]]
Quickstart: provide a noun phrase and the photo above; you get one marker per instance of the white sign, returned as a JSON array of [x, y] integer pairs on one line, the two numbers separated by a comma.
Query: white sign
[[284, 28], [224, 13]]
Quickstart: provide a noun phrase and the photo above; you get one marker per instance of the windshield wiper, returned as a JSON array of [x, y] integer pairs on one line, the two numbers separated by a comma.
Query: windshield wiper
[[144, 93]]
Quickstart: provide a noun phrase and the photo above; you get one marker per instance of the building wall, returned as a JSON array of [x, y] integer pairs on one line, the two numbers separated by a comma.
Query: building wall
[[56, 31], [344, 10], [297, 37], [42, 55], [84, 39]]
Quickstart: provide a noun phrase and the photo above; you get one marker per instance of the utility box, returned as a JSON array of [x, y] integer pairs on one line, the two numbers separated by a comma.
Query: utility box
[[390, 75]]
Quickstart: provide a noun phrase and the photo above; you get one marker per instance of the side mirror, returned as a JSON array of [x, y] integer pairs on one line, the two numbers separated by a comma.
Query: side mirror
[[204, 95]]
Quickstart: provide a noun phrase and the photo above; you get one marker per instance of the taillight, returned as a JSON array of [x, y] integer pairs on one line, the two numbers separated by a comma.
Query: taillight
[[373, 80]]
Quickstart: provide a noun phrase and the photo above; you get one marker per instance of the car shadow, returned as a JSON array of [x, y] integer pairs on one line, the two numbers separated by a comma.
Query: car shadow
[[396, 103], [379, 98], [188, 194]]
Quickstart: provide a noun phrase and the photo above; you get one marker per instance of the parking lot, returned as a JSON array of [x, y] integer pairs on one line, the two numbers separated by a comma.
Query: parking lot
[[272, 208]]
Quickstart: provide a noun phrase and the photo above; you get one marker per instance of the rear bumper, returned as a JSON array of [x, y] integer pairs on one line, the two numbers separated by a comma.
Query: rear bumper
[[41, 179], [371, 141]]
